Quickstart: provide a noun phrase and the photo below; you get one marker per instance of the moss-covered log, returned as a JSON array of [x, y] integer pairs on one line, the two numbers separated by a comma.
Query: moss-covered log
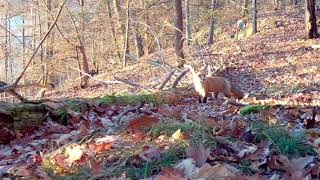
[[25, 117]]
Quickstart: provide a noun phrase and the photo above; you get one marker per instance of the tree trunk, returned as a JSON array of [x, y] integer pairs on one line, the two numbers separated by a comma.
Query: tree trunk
[[126, 40], [113, 31], [283, 5], [188, 25], [178, 29], [85, 62], [137, 36], [25, 117], [245, 10], [254, 16], [120, 15], [211, 28], [310, 19]]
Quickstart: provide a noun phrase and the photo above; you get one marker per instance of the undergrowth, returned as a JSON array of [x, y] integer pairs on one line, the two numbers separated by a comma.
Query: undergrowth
[[284, 142], [128, 98]]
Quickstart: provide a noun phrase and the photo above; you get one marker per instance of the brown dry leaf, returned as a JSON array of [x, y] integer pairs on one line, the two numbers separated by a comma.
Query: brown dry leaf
[[169, 174], [150, 153], [32, 172], [142, 121], [199, 154], [302, 162], [219, 171], [61, 160], [241, 148], [280, 162], [187, 167], [262, 152], [99, 147], [96, 166]]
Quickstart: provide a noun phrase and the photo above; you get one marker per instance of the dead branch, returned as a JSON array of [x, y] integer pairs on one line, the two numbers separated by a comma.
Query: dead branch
[[13, 92], [126, 111], [95, 79], [167, 79], [175, 83], [39, 45], [133, 84]]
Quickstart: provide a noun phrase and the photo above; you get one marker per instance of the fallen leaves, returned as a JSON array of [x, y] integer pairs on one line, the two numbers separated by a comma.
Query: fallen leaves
[[199, 153]]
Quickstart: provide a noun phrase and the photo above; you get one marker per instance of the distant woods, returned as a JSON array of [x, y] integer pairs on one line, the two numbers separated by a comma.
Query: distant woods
[[100, 36]]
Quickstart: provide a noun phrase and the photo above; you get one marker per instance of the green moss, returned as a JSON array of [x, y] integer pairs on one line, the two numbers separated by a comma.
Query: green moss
[[253, 109], [132, 99]]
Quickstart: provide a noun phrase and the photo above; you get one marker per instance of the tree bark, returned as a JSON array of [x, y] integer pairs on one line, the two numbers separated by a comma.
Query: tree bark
[[137, 35], [188, 25], [126, 36], [310, 20], [113, 31], [211, 26], [254, 16], [245, 10], [85, 62], [178, 29], [120, 15]]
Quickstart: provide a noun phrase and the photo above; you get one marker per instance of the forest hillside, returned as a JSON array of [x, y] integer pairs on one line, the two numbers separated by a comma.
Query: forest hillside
[[108, 90]]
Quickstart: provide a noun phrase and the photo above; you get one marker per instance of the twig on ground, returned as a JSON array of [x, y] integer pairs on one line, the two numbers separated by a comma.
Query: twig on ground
[[95, 79]]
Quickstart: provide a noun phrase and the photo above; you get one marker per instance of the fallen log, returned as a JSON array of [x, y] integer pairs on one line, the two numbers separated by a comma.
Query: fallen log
[[21, 118]]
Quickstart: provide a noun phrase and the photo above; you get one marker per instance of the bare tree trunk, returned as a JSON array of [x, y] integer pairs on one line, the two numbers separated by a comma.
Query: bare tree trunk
[[276, 4], [137, 36], [311, 19], [283, 5], [113, 31], [85, 62], [149, 45], [178, 29], [126, 40], [188, 25], [245, 10], [254, 16], [43, 64], [118, 12], [211, 28]]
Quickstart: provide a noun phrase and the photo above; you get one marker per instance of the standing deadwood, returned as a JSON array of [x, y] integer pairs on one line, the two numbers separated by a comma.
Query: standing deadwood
[[119, 15], [113, 30], [310, 20], [254, 16], [85, 62], [275, 4], [211, 28], [188, 25], [137, 36], [245, 10], [283, 5], [126, 41], [178, 29]]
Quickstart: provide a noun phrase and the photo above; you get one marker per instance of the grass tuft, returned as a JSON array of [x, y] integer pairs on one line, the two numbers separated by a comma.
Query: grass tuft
[[284, 142]]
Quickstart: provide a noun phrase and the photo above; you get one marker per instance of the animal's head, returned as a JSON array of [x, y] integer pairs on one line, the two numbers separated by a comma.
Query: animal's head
[[202, 73]]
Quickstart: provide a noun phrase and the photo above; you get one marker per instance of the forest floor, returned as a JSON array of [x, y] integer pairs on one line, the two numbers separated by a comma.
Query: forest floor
[[142, 135]]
